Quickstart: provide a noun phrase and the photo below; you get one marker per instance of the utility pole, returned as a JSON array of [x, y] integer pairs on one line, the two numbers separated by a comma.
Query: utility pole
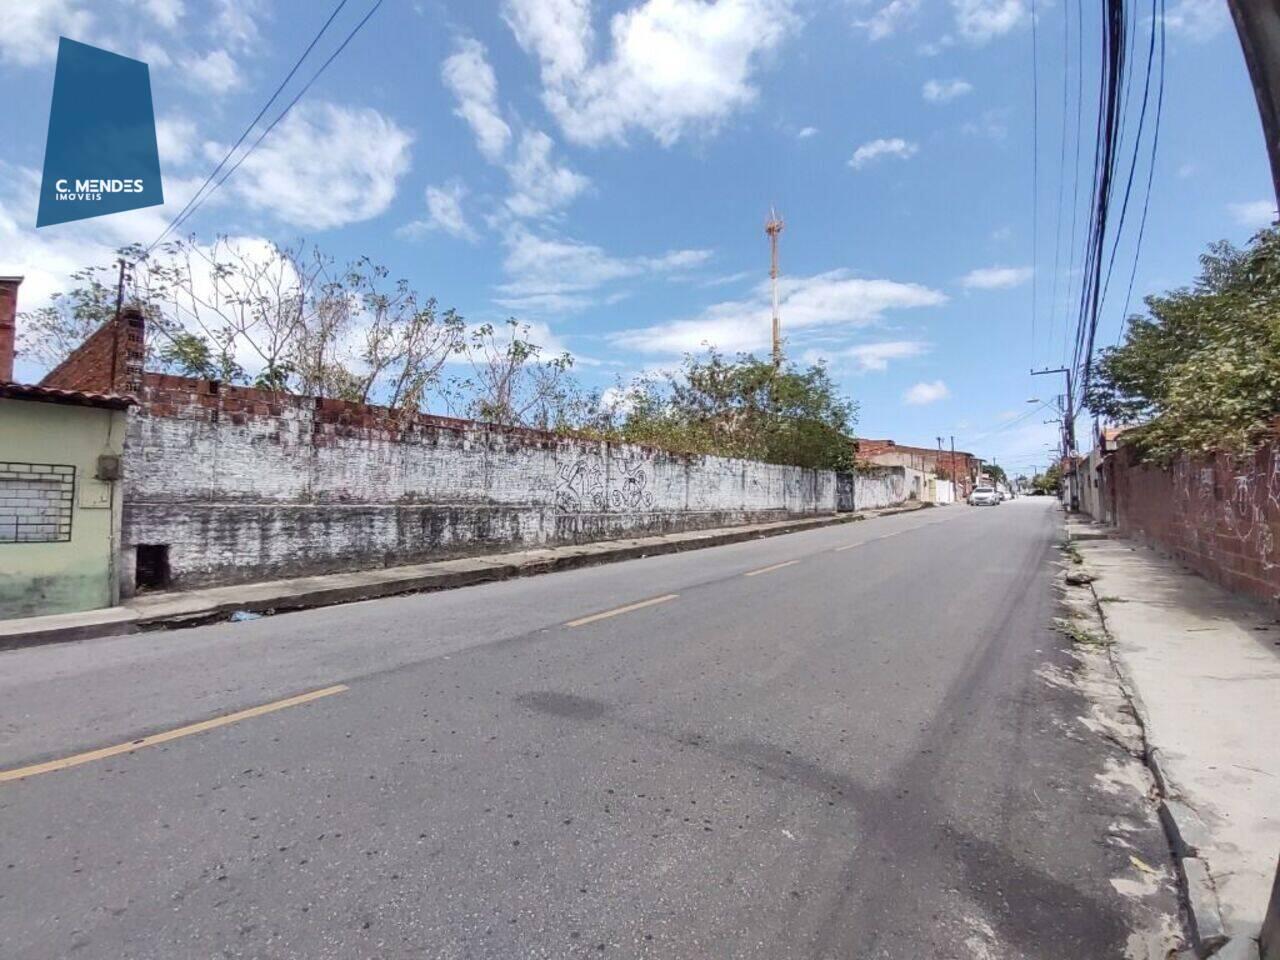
[[1069, 417], [1258, 24], [954, 478], [115, 326], [773, 227]]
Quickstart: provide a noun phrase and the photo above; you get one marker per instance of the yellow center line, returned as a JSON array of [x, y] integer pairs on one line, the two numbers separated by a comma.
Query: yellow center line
[[776, 566], [17, 773], [582, 621]]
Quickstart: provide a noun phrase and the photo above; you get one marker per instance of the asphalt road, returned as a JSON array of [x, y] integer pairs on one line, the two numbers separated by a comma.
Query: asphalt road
[[828, 744]]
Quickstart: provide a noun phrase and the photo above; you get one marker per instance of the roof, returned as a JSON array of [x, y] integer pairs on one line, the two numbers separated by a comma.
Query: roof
[[73, 398], [907, 448]]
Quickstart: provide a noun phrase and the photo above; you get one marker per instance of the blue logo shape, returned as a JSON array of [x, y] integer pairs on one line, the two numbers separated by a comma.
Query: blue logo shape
[[100, 156]]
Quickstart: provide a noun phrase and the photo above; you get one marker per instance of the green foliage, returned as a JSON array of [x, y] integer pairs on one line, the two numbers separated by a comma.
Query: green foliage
[[1202, 370], [48, 334], [191, 355], [744, 408], [1048, 482], [996, 473]]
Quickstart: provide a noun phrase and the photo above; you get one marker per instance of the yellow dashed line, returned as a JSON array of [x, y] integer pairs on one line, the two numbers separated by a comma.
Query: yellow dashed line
[[776, 566], [18, 773], [581, 621]]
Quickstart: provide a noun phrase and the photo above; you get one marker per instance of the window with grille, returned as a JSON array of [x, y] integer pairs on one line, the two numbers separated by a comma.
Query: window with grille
[[36, 502]]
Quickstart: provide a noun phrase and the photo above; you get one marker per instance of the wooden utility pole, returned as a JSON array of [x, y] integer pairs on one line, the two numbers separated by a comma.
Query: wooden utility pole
[[773, 227]]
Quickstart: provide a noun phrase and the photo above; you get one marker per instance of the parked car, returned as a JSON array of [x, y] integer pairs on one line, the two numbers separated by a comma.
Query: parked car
[[984, 497]]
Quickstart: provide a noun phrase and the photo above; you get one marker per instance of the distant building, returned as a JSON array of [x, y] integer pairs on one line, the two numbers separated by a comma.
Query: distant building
[[960, 467]]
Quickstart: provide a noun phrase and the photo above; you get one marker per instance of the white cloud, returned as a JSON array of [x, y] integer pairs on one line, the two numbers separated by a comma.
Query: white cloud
[[806, 132], [940, 91], [825, 304], [166, 13], [981, 20], [31, 28], [873, 356], [925, 392], [674, 66], [470, 78], [215, 72], [1197, 20], [875, 149], [539, 184], [46, 258], [1255, 214], [235, 22], [995, 278], [176, 139], [935, 47], [992, 124], [547, 274], [888, 18], [444, 213], [326, 166]]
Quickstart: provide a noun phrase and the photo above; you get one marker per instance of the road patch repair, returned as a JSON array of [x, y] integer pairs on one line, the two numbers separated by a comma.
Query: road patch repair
[[1198, 667]]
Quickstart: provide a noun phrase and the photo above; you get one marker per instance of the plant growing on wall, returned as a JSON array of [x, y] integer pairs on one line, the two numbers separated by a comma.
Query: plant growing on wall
[[1201, 371]]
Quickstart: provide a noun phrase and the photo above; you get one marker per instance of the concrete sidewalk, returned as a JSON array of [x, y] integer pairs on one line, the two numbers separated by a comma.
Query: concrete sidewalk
[[1203, 667], [186, 607]]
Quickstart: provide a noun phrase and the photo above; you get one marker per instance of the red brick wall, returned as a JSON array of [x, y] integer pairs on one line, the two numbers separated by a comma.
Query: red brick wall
[[107, 362], [1218, 515]]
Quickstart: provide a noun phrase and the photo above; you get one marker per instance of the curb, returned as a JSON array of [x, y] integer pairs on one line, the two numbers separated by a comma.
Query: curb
[[1183, 827], [441, 575]]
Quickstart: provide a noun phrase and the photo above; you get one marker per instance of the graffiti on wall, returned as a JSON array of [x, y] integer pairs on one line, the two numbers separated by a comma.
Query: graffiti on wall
[[583, 484]]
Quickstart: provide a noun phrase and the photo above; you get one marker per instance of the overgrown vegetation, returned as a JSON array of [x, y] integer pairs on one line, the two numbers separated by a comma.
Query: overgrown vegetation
[[743, 407], [291, 320], [1201, 371]]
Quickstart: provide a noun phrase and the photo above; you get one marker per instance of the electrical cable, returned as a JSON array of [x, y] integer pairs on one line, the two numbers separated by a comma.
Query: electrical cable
[[253, 123], [285, 112]]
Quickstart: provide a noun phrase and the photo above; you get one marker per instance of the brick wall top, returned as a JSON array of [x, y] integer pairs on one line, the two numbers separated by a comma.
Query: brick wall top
[[169, 395]]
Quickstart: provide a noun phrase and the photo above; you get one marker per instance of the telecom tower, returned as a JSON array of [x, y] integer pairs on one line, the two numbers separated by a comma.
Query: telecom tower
[[773, 227]]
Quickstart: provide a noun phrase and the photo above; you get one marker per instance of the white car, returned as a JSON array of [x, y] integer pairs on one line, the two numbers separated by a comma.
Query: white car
[[984, 497]]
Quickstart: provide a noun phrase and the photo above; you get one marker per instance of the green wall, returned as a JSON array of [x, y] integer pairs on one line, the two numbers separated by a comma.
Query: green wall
[[41, 578]]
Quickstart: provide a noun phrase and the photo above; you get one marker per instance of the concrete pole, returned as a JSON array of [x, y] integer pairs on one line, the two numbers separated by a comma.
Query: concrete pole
[[1258, 24]]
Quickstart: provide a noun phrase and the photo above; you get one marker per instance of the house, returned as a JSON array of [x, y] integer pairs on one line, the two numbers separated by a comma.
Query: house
[[924, 464], [60, 501]]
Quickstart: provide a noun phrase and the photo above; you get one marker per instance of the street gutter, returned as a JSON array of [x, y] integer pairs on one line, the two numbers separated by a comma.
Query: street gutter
[[171, 610]]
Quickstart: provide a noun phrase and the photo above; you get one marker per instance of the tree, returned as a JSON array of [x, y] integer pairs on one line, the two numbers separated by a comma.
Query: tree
[[406, 342], [1050, 481], [48, 334], [511, 383], [1202, 370], [745, 408]]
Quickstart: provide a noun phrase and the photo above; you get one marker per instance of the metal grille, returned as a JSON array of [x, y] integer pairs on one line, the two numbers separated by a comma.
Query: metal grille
[[36, 501]]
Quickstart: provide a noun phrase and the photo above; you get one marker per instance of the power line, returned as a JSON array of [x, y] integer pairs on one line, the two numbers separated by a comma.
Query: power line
[[285, 112], [1151, 170], [253, 123], [1062, 172], [1035, 178]]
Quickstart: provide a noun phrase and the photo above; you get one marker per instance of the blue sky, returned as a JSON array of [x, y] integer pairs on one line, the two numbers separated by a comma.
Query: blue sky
[[603, 171]]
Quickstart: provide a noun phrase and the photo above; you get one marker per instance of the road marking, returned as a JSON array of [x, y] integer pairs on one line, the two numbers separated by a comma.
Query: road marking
[[776, 566], [582, 621], [17, 773], [863, 543]]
